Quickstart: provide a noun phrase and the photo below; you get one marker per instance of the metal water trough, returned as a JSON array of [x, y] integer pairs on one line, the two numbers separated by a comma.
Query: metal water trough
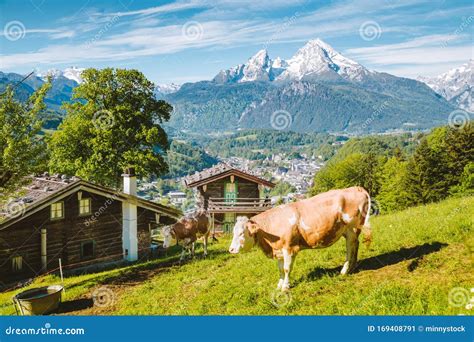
[[38, 301]]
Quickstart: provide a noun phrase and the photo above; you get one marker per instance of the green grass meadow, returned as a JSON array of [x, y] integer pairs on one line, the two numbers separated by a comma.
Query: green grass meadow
[[417, 257]]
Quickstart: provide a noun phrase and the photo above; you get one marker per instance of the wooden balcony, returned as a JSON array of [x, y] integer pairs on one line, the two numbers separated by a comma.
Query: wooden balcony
[[238, 205]]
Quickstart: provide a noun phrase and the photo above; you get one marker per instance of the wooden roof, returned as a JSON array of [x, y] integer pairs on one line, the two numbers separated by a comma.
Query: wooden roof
[[220, 171], [39, 192]]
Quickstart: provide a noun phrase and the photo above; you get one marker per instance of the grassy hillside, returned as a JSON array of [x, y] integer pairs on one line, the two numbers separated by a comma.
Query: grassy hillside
[[417, 257]]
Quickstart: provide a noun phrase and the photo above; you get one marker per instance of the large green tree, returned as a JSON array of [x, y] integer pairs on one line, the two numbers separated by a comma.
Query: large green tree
[[113, 123], [356, 169], [22, 151], [393, 195]]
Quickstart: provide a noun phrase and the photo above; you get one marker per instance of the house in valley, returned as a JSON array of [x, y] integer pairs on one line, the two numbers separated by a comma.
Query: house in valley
[[79, 222], [226, 192]]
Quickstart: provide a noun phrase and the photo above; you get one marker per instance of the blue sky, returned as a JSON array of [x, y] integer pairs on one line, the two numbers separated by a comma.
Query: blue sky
[[181, 41]]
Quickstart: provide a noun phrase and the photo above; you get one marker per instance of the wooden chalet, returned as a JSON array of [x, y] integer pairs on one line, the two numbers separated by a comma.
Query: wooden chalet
[[81, 223], [226, 192]]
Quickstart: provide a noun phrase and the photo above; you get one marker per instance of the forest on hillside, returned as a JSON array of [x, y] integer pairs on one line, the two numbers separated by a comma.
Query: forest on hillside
[[401, 173]]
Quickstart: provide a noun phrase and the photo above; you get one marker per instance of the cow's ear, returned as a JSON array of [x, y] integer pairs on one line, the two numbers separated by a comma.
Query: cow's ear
[[252, 227]]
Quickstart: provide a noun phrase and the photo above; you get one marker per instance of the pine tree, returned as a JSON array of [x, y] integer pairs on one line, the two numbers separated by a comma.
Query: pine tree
[[460, 151], [427, 171]]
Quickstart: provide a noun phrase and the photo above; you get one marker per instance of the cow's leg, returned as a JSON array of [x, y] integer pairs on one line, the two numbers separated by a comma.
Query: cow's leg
[[183, 253], [352, 248], [288, 260], [206, 236], [186, 246], [282, 273], [193, 245]]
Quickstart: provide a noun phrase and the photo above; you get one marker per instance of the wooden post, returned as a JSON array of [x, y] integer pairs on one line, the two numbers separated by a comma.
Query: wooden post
[[213, 227], [44, 250], [61, 274]]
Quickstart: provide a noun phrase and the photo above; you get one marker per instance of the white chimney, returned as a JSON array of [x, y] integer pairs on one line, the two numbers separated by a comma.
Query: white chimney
[[130, 182], [129, 216]]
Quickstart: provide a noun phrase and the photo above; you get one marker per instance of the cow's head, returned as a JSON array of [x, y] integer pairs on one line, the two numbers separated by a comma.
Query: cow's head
[[167, 232], [243, 238]]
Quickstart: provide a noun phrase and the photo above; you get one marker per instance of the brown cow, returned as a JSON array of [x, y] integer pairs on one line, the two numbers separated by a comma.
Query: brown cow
[[188, 229], [316, 222]]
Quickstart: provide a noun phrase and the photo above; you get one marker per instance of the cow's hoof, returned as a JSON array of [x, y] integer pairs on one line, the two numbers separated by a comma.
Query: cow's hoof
[[345, 269], [280, 284]]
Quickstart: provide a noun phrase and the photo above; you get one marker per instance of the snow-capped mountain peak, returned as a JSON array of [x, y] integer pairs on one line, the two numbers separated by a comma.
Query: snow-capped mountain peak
[[260, 58], [257, 68], [168, 88], [455, 85], [72, 73], [279, 63], [315, 60]]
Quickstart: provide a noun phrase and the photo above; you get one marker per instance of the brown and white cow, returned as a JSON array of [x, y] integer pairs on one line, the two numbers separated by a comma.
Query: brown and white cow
[[316, 222], [188, 229]]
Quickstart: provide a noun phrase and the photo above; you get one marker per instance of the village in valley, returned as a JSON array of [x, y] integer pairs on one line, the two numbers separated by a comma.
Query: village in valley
[[298, 173]]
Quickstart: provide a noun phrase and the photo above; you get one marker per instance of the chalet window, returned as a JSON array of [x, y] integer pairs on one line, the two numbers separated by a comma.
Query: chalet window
[[84, 206], [87, 249], [17, 263], [57, 210]]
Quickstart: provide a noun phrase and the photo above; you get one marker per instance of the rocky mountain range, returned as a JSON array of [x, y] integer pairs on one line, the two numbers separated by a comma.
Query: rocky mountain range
[[316, 61], [73, 73], [317, 89], [61, 87], [455, 85]]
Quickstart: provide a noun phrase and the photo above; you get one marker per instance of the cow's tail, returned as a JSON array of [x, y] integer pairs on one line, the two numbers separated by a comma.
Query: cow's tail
[[366, 230]]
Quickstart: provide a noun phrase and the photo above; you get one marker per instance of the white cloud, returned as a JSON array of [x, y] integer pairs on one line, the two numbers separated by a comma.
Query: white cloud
[[427, 55], [173, 7], [226, 24], [62, 34]]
